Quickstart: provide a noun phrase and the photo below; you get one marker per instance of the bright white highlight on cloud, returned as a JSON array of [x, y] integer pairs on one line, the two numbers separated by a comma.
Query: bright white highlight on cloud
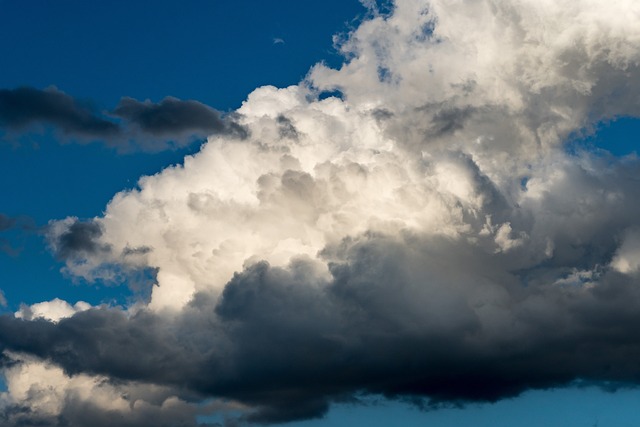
[[53, 310], [627, 258]]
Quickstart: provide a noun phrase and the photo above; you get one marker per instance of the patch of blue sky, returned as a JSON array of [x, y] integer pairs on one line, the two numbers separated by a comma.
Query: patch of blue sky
[[619, 137], [568, 407]]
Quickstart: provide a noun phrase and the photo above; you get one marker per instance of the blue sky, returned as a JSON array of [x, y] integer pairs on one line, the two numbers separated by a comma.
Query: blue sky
[[215, 52]]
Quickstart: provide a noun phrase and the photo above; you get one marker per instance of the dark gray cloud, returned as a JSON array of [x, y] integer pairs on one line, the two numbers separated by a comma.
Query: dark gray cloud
[[286, 128], [141, 124], [76, 240], [447, 119], [26, 106], [172, 116], [381, 115], [398, 317], [79, 239], [141, 250]]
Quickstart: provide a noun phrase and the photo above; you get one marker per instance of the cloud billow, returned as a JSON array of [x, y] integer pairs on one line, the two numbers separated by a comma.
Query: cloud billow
[[357, 333], [425, 236]]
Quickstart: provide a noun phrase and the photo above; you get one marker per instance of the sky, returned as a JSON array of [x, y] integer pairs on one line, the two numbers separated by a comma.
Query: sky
[[410, 212]]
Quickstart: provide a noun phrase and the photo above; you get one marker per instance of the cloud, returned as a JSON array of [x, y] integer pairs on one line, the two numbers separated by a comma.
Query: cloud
[[143, 124], [172, 116], [45, 396], [626, 258], [424, 236], [287, 129], [398, 317], [53, 310], [77, 239], [78, 244], [25, 106]]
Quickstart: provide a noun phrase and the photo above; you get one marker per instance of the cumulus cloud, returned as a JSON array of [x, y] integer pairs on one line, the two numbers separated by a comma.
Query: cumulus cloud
[[42, 394], [423, 235], [143, 124], [396, 318]]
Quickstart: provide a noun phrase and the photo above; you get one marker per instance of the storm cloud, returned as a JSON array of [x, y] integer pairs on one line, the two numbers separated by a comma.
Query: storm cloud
[[392, 320], [425, 236]]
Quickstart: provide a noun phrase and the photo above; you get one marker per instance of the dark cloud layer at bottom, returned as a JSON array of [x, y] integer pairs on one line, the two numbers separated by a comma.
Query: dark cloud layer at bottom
[[397, 318]]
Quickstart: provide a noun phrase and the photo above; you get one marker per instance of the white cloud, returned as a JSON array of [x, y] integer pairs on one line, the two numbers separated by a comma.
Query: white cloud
[[627, 258], [430, 80], [449, 128], [49, 393], [53, 310]]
